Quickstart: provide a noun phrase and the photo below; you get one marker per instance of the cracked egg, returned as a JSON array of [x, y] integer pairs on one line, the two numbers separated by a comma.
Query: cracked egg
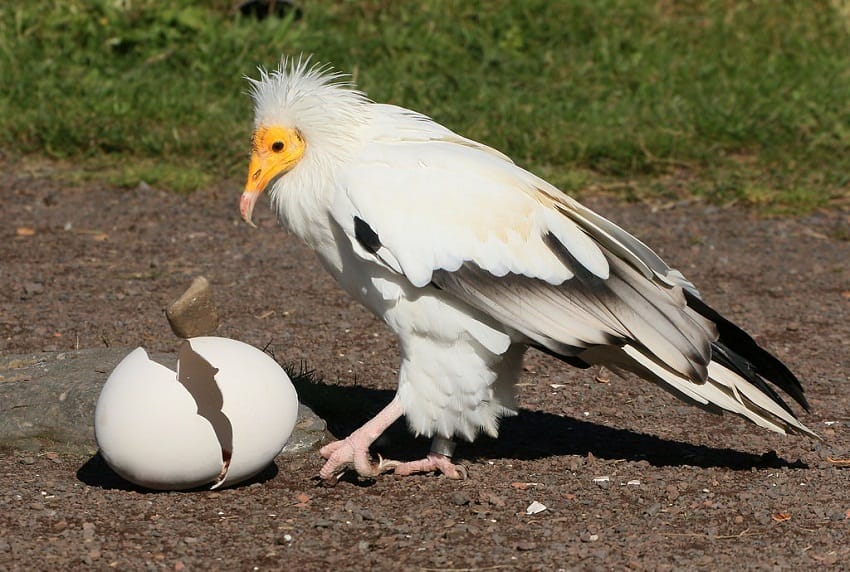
[[221, 418]]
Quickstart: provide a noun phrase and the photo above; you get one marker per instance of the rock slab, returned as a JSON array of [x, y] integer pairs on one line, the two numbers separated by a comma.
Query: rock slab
[[47, 400]]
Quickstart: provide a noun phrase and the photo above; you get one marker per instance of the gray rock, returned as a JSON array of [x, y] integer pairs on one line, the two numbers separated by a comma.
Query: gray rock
[[194, 313], [47, 400]]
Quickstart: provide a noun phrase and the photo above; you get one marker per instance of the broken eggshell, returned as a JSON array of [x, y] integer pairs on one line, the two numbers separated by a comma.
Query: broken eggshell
[[220, 419]]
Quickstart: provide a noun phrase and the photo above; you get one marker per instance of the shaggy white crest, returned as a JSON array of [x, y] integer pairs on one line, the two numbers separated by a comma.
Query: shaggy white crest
[[315, 99]]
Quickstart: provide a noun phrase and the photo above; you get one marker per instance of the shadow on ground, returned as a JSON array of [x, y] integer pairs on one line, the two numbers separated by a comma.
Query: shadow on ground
[[96, 473], [530, 435]]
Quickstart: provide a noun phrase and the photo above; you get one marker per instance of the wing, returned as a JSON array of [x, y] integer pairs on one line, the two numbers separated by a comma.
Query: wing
[[450, 213]]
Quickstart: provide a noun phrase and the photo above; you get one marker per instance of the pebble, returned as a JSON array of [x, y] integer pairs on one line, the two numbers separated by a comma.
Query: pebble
[[460, 498], [653, 509], [486, 497], [88, 530], [535, 507], [32, 288], [672, 492], [194, 312]]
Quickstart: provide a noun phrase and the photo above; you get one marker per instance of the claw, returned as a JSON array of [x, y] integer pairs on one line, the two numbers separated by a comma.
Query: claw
[[462, 473], [354, 449], [385, 465], [344, 455]]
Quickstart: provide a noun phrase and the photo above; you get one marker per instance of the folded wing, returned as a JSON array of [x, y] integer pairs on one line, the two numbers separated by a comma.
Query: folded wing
[[449, 213]]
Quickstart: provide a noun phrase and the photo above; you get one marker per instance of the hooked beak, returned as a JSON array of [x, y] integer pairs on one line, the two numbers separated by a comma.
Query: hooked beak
[[258, 179], [275, 151], [246, 205]]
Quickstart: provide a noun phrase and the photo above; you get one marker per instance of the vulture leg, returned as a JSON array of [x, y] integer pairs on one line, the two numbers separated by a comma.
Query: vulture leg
[[354, 449]]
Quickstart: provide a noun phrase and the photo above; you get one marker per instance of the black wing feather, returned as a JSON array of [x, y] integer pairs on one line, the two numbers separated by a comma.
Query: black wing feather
[[741, 353]]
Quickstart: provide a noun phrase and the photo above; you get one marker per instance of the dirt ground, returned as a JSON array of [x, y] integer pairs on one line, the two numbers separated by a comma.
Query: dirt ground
[[93, 266]]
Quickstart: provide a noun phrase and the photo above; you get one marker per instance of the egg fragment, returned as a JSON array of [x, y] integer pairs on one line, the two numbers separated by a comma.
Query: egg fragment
[[220, 419]]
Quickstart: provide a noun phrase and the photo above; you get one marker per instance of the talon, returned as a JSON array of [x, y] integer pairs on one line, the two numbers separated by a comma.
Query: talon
[[354, 449], [386, 465], [461, 473], [344, 454]]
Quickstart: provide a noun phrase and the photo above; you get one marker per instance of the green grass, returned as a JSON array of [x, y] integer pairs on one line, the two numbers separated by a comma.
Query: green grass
[[737, 101]]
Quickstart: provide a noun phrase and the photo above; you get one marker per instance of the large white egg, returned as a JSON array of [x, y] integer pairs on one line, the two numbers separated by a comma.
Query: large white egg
[[220, 419]]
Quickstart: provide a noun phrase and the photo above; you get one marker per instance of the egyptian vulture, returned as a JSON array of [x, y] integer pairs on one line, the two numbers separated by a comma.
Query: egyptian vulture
[[470, 260]]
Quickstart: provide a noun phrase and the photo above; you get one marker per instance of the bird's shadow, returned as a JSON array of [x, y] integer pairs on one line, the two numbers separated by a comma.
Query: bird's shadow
[[527, 436]]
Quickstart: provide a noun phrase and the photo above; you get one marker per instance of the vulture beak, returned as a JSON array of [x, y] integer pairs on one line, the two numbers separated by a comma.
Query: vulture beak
[[253, 187], [274, 152]]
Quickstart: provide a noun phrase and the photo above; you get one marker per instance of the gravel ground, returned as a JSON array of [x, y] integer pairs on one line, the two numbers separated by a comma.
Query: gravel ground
[[629, 477]]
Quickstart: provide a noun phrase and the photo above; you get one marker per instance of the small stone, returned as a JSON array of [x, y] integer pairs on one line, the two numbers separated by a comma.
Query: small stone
[[603, 481], [194, 313], [672, 492], [574, 464], [60, 526], [460, 498], [535, 507], [366, 514], [33, 288], [486, 497], [653, 510]]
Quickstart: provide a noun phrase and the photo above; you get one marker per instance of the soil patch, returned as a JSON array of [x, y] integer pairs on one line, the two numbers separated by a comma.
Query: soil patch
[[630, 477]]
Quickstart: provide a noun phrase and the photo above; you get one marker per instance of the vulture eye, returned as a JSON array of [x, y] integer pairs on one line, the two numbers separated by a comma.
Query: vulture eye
[[277, 146]]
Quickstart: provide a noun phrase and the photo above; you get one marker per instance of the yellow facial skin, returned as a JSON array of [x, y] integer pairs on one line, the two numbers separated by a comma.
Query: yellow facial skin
[[274, 152]]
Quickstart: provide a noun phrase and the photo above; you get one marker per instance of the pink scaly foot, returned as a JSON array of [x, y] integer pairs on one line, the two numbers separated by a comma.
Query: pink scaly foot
[[433, 462], [439, 459], [354, 449]]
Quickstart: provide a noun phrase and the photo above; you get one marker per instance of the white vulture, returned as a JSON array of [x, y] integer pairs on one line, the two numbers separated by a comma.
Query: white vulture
[[470, 260]]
